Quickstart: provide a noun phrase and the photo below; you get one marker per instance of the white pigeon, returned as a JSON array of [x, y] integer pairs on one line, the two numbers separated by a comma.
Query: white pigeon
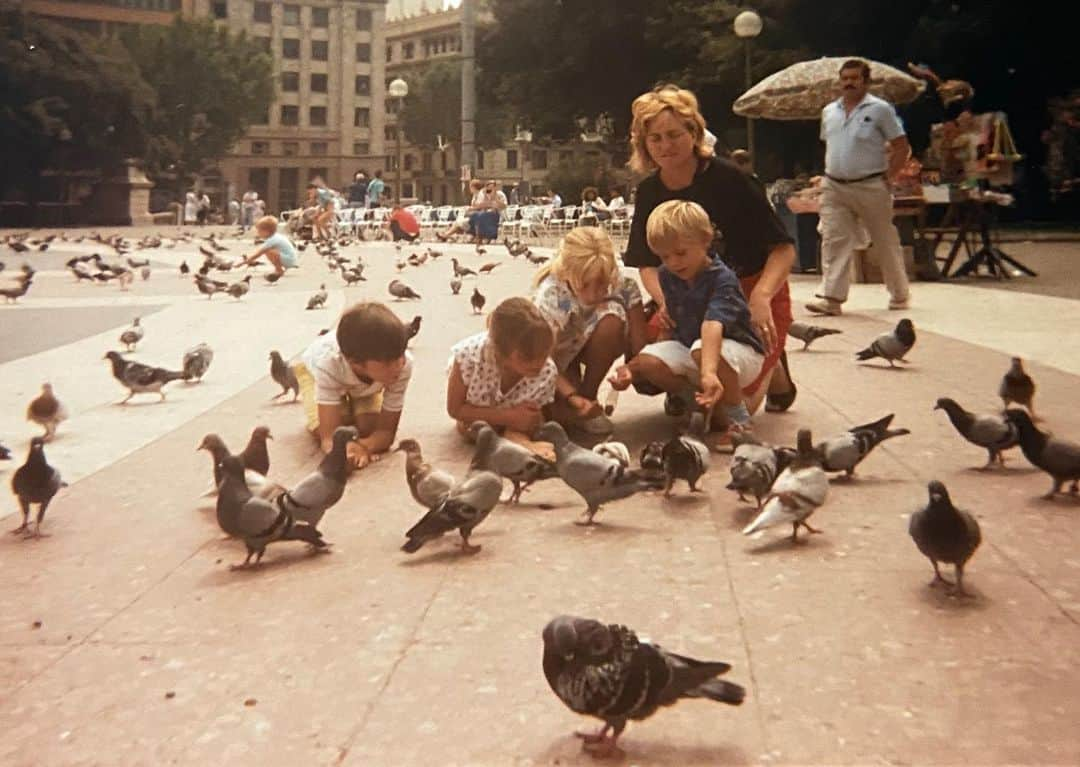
[[796, 494], [617, 451]]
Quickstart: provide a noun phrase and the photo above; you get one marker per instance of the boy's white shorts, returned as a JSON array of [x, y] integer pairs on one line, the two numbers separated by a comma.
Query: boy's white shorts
[[743, 359]]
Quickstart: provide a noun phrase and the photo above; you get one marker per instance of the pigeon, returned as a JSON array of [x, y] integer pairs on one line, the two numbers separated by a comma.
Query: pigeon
[[144, 272], [488, 267], [466, 505], [13, 294], [461, 271], [891, 346], [809, 333], [606, 672], [47, 411], [239, 288], [185, 270], [990, 430], [509, 460], [399, 290], [254, 520], [209, 287], [944, 533], [322, 488], [260, 486], [433, 254], [139, 378], [845, 451], [477, 300], [1058, 457], [354, 275], [5, 453], [535, 258], [131, 337], [255, 456], [755, 467], [428, 486], [136, 263], [319, 299], [455, 285], [272, 277], [686, 457], [596, 478], [795, 494], [35, 482], [652, 459], [1017, 386], [284, 375], [197, 361], [616, 451]]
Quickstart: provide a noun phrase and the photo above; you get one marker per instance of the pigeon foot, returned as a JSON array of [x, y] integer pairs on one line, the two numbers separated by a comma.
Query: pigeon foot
[[20, 529]]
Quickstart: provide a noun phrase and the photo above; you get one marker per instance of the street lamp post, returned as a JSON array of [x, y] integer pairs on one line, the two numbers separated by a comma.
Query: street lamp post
[[523, 138], [748, 26], [398, 89]]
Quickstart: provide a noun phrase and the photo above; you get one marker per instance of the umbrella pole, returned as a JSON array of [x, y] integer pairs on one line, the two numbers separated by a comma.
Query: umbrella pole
[[749, 120]]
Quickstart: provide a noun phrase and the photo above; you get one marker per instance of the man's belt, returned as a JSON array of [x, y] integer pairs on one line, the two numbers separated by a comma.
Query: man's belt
[[854, 180]]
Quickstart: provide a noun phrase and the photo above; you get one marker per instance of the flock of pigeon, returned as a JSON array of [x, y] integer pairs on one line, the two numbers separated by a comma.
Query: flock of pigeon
[[599, 670]]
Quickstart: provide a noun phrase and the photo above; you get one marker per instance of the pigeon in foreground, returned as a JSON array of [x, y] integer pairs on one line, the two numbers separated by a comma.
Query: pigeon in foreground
[[606, 672], [256, 456], [508, 460], [990, 430], [260, 486], [891, 346], [284, 375], [413, 328], [139, 378], [319, 299], [428, 486], [1017, 386], [477, 299], [809, 333], [652, 460], [1058, 457], [755, 467], [240, 288], [795, 494], [845, 451], [400, 290], [209, 287], [461, 271], [13, 294], [466, 505], [616, 451], [131, 337], [322, 488], [455, 285], [197, 361], [944, 533], [686, 457], [596, 478], [46, 411], [254, 520], [35, 482]]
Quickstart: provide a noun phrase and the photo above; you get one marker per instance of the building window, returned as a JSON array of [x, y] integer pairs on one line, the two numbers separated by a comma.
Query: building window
[[409, 160], [318, 83], [317, 116], [427, 193], [319, 147], [320, 17], [290, 148], [259, 180], [290, 82], [260, 147], [288, 188], [479, 159], [511, 159], [363, 85], [539, 159], [264, 119], [408, 50], [290, 48], [262, 13], [360, 148], [290, 114], [391, 162], [221, 9], [406, 189], [320, 50], [361, 117], [565, 158], [290, 15], [363, 51], [317, 173], [389, 52], [389, 132], [265, 42], [363, 20], [426, 165]]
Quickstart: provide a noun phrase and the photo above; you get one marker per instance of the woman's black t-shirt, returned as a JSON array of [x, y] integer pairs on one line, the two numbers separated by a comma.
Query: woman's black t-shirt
[[746, 225]]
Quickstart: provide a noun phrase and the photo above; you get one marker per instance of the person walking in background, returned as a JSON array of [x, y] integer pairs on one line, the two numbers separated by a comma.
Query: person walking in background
[[358, 190], [191, 208], [375, 190], [865, 148], [249, 208], [203, 211]]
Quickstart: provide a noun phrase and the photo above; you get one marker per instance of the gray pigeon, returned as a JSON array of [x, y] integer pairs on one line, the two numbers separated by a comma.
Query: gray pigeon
[[1060, 458], [1017, 386], [755, 467], [47, 411], [139, 378], [319, 299], [455, 285], [608, 673], [399, 290], [509, 460], [466, 505], [687, 456], [845, 451], [615, 450], [477, 299], [944, 533], [260, 486], [256, 521], [989, 430], [284, 375], [322, 488], [799, 490], [809, 333], [652, 459], [891, 346], [35, 482], [428, 486], [197, 361], [131, 337], [240, 288], [596, 478]]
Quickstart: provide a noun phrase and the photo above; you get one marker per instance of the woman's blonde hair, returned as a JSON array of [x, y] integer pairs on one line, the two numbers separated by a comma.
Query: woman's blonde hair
[[585, 254], [677, 220], [476, 185], [683, 104], [516, 325]]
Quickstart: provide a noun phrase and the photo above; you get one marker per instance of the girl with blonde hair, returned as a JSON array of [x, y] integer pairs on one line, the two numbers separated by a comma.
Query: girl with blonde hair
[[597, 316]]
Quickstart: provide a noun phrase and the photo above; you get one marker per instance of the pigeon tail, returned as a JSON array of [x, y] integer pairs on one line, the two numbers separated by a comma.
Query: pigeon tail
[[306, 533], [720, 691], [412, 545]]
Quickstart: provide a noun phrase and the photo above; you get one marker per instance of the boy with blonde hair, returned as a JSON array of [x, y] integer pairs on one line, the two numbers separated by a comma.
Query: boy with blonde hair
[[714, 352], [277, 248]]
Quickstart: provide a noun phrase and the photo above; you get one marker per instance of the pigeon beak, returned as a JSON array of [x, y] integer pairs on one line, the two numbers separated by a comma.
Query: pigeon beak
[[935, 497]]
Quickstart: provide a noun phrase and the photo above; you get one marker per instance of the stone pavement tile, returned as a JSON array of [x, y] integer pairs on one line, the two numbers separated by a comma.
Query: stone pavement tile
[[21, 663]]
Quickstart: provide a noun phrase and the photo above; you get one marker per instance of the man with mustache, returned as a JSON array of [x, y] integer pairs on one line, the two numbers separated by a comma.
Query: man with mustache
[[865, 149]]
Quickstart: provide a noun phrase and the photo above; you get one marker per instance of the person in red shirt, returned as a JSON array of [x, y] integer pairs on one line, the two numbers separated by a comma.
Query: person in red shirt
[[403, 224]]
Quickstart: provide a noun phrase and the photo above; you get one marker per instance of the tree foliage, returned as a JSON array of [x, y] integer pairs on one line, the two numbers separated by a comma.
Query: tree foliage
[[433, 109]]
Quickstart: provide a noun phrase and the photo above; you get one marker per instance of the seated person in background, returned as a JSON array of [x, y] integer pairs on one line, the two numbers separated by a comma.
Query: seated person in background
[[616, 204], [357, 376], [277, 248], [476, 188], [403, 225], [714, 353], [504, 375], [592, 204]]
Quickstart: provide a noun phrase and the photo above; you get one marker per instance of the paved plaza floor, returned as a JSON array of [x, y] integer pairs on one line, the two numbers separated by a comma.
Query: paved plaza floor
[[125, 639]]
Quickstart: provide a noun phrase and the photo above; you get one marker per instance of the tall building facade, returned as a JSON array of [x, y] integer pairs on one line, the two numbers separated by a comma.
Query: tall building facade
[[107, 16]]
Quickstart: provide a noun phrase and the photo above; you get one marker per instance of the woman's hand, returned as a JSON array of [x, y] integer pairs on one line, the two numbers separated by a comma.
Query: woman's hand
[[525, 418], [762, 320], [621, 379]]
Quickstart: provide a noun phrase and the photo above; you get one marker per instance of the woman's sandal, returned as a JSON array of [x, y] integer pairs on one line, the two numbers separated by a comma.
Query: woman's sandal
[[779, 403]]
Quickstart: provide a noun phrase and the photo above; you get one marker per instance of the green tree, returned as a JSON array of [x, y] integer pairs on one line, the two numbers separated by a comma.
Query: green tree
[[211, 85], [433, 109]]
